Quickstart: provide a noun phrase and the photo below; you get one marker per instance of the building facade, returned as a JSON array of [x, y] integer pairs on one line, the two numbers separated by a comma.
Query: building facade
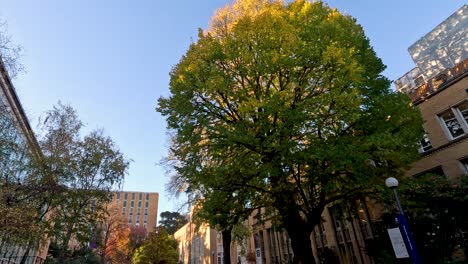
[[438, 86], [138, 209], [340, 238], [199, 245]]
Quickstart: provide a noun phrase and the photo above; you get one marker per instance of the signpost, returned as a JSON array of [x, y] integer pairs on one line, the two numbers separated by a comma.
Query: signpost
[[403, 231], [398, 243]]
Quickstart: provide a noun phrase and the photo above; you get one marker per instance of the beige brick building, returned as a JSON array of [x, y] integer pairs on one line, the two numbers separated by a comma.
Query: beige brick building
[[444, 107], [137, 208], [438, 86]]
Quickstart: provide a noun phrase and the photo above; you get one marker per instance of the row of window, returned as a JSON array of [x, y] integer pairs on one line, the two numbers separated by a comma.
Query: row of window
[[124, 210], [145, 219], [132, 204], [455, 124], [140, 196]]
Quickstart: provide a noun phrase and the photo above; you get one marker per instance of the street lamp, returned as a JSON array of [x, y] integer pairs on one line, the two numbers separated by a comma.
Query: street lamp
[[392, 183]]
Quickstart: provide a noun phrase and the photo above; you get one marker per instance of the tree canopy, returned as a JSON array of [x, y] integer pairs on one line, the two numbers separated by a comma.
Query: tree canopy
[[88, 168], [172, 221], [283, 106], [159, 248]]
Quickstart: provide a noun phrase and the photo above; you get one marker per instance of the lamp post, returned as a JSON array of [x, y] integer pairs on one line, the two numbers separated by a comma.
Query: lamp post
[[392, 183]]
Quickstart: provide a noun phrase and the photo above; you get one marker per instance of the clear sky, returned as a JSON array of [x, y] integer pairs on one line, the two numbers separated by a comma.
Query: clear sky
[[110, 60]]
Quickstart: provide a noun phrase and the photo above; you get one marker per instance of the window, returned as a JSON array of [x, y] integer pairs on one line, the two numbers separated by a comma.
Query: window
[[124, 210], [147, 196], [146, 204], [464, 163], [125, 204], [436, 171], [130, 219], [463, 109], [126, 196], [132, 203], [455, 120], [139, 204], [133, 196], [140, 195], [419, 81], [118, 196], [425, 144], [146, 211]]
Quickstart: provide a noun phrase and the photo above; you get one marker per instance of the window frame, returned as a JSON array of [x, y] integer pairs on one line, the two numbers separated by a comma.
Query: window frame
[[458, 116], [421, 148], [464, 165]]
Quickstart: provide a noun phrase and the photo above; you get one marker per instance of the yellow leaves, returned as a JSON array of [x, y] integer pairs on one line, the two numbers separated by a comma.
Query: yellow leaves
[[333, 15], [225, 18]]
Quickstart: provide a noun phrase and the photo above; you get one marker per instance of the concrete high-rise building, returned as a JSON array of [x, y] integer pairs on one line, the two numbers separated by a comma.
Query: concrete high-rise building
[[137, 208]]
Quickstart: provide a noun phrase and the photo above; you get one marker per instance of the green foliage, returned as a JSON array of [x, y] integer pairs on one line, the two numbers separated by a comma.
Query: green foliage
[[87, 167], [172, 221], [158, 248], [438, 214], [84, 255], [23, 191], [283, 106]]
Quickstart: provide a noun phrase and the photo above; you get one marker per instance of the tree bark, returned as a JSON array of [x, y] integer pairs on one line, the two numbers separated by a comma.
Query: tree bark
[[301, 244], [299, 229], [227, 238]]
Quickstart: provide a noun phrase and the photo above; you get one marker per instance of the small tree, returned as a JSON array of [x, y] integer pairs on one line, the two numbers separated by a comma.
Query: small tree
[[88, 168], [114, 233], [158, 248]]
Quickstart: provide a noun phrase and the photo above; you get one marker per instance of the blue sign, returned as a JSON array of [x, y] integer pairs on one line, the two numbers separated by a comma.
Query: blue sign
[[408, 238]]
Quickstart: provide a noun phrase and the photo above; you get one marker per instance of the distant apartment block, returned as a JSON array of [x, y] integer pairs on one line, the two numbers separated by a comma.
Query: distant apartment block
[[137, 208]]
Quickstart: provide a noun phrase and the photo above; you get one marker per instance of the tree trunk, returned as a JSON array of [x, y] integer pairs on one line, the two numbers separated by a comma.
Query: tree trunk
[[299, 230], [301, 245], [227, 237]]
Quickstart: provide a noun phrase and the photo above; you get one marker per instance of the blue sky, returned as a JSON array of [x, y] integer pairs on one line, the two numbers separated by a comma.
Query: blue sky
[[110, 60]]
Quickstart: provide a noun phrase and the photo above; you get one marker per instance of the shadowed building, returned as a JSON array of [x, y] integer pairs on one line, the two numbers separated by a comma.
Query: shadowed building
[[201, 244]]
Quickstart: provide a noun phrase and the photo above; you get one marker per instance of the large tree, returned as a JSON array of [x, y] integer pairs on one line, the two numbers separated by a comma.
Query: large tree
[[283, 106]]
